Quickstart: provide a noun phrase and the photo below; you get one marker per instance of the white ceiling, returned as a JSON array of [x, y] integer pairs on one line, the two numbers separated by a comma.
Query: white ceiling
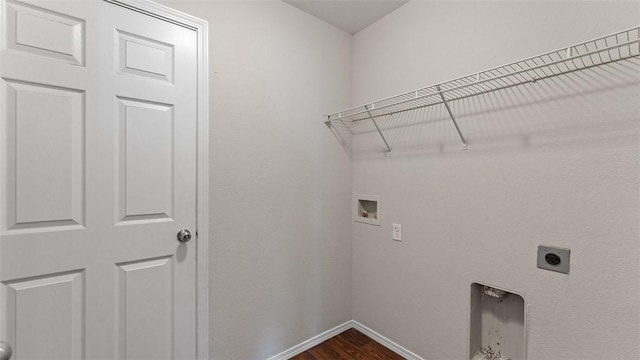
[[349, 15]]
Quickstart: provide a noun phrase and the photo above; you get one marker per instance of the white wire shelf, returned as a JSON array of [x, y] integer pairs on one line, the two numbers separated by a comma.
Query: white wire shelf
[[597, 52]]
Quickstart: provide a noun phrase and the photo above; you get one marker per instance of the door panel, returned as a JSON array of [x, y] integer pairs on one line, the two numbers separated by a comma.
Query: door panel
[[47, 316], [153, 98], [44, 32], [146, 160], [47, 157], [144, 57], [98, 150], [146, 308]]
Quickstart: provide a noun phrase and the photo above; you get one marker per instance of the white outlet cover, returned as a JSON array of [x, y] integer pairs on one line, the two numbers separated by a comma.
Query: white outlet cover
[[397, 232]]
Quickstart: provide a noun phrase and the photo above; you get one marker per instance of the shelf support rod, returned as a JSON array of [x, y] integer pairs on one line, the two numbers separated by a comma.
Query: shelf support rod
[[455, 123], [378, 128], [333, 130]]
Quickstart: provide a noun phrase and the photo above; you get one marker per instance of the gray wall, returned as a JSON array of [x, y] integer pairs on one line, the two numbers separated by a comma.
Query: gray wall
[[280, 186], [551, 163]]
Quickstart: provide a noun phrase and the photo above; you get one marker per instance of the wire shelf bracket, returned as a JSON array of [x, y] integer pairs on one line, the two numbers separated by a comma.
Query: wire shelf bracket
[[455, 123], [604, 50], [379, 131]]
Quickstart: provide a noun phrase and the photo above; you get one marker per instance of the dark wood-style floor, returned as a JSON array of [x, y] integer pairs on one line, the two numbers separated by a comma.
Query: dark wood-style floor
[[351, 344]]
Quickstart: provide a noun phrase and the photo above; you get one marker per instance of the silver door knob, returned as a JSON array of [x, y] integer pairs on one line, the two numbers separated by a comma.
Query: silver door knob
[[5, 351], [184, 236]]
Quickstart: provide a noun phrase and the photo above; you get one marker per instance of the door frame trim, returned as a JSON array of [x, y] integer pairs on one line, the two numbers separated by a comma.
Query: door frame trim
[[201, 27]]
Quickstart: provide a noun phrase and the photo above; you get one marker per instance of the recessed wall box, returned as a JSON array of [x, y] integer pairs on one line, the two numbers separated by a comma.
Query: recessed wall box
[[366, 209], [497, 324]]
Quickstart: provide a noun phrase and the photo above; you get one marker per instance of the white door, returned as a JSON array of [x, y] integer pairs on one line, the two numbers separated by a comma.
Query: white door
[[97, 176]]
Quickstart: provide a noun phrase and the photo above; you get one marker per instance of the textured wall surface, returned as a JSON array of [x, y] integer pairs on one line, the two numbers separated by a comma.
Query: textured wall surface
[[280, 185], [554, 162]]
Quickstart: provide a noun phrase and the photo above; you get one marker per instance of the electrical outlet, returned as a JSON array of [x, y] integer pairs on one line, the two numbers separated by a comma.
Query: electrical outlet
[[397, 232], [553, 258]]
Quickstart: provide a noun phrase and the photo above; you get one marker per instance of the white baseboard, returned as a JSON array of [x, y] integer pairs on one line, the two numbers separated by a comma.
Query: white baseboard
[[388, 343], [308, 344]]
